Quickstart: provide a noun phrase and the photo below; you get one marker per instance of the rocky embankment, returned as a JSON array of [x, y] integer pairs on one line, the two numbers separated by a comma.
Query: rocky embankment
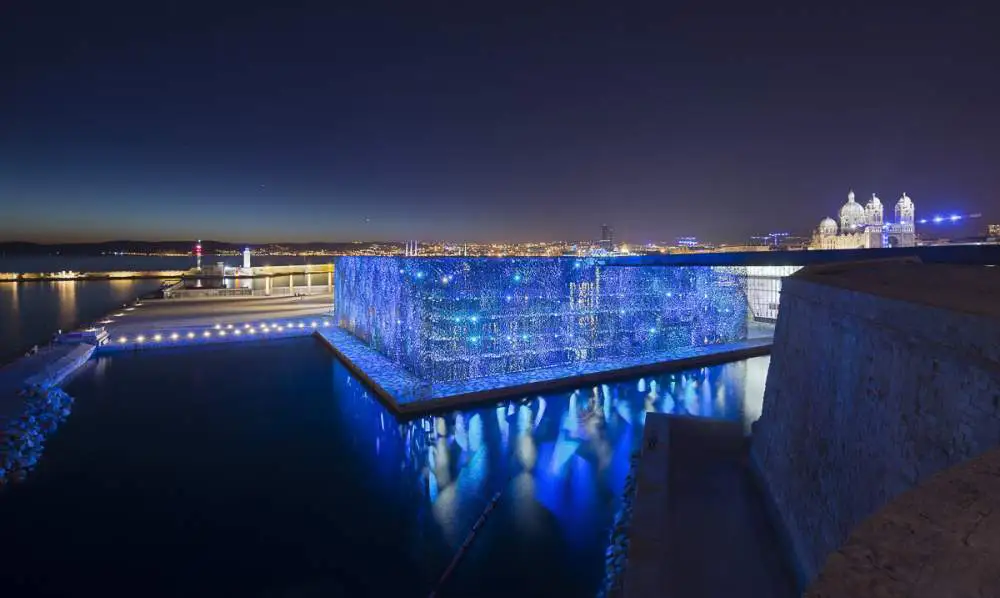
[[33, 405], [22, 439], [617, 553]]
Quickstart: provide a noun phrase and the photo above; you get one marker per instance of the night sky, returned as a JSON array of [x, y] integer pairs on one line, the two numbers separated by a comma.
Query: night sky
[[269, 121]]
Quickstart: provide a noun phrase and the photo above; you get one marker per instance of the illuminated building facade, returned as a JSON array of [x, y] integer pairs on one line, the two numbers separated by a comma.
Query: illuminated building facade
[[863, 227], [448, 319]]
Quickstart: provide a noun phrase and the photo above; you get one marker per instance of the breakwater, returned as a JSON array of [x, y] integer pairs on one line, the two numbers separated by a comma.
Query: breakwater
[[22, 439], [34, 406]]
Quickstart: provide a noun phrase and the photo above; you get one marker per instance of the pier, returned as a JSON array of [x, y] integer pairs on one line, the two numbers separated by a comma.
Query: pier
[[191, 274]]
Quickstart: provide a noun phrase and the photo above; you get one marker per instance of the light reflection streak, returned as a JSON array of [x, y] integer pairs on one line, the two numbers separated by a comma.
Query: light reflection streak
[[565, 451]]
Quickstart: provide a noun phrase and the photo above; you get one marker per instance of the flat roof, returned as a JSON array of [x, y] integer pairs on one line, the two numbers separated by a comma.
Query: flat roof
[[962, 288]]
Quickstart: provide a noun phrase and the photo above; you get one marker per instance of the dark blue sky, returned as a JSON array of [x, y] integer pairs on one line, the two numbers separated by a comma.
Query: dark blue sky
[[267, 121]]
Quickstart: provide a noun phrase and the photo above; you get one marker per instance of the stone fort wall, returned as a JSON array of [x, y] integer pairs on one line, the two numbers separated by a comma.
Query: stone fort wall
[[868, 395]]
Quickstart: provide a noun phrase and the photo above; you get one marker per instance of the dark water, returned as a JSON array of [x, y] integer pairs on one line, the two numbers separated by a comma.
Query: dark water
[[31, 312], [267, 470]]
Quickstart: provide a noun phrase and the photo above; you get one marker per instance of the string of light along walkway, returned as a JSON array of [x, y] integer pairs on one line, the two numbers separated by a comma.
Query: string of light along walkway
[[219, 331]]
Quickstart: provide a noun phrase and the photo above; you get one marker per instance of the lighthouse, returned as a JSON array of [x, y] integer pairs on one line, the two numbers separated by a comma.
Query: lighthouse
[[197, 254], [246, 258]]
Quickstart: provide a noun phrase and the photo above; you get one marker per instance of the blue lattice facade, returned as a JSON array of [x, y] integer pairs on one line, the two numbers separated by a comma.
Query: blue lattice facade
[[446, 319]]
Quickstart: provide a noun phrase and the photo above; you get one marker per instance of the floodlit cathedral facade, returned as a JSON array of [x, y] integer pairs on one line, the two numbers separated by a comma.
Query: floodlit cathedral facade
[[863, 227]]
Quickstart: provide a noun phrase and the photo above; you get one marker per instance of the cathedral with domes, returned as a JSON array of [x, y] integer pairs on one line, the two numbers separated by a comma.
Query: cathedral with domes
[[863, 227]]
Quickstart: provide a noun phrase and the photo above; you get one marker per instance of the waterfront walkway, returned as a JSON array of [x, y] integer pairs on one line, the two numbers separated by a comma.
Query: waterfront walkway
[[699, 526], [164, 316], [406, 395]]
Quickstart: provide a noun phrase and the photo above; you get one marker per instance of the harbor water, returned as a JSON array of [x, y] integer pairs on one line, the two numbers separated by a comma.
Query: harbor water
[[31, 312], [266, 469]]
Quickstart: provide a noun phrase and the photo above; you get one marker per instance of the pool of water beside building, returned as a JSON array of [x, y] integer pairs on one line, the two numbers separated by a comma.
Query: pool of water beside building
[[266, 469]]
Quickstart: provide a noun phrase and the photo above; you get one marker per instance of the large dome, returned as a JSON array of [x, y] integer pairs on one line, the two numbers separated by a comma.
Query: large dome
[[852, 214], [828, 227], [905, 202], [874, 202]]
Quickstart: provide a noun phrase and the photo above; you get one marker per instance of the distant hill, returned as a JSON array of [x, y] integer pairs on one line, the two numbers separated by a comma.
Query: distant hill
[[209, 247]]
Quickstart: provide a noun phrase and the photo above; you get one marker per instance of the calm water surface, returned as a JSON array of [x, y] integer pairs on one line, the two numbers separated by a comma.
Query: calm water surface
[[265, 469], [31, 312]]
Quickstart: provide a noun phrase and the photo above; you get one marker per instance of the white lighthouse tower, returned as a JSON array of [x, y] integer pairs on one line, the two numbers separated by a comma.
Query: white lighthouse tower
[[246, 258]]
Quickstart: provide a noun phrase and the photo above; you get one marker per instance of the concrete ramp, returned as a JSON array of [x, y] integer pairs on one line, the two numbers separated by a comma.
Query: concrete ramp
[[699, 527]]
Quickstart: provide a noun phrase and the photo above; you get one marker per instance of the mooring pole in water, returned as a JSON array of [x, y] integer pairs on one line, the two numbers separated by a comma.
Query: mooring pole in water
[[469, 539]]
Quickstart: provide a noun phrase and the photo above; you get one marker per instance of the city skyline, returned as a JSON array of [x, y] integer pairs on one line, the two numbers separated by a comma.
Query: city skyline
[[301, 123]]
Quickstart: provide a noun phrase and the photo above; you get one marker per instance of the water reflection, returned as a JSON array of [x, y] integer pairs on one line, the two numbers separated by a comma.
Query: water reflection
[[562, 456], [31, 312], [294, 474], [12, 298], [66, 293]]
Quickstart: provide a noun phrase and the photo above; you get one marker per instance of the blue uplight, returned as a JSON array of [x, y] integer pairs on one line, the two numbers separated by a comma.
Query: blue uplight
[[955, 217], [517, 278], [938, 219]]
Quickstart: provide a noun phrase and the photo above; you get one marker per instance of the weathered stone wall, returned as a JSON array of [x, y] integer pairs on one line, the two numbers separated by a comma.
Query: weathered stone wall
[[939, 539], [866, 397]]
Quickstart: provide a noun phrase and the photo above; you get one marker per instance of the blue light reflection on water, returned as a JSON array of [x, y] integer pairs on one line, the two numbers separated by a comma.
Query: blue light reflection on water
[[267, 466], [561, 459]]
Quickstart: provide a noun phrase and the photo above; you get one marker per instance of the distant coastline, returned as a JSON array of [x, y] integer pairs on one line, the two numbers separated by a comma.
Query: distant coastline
[[181, 248]]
